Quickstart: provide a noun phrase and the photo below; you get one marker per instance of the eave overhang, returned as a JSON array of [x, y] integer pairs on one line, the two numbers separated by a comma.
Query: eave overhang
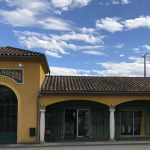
[[42, 60]]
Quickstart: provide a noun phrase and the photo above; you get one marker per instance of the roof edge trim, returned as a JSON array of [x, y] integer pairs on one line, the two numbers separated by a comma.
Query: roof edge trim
[[29, 57], [49, 92]]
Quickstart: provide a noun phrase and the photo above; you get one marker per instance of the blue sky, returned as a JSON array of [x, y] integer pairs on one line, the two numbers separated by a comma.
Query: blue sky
[[81, 37]]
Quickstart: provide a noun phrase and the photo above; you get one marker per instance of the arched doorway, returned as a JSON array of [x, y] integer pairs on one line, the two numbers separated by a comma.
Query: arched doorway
[[133, 119], [8, 115], [77, 118]]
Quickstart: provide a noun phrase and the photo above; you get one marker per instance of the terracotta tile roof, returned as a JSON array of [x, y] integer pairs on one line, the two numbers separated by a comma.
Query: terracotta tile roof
[[12, 51], [15, 54], [87, 84]]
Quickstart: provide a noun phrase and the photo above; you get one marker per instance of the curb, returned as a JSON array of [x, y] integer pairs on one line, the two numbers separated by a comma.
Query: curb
[[66, 144]]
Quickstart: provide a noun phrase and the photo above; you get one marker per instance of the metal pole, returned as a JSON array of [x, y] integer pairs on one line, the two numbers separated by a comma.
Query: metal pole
[[37, 131], [144, 64]]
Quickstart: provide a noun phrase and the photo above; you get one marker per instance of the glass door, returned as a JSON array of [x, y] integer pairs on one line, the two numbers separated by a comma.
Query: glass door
[[126, 122], [133, 123], [82, 122]]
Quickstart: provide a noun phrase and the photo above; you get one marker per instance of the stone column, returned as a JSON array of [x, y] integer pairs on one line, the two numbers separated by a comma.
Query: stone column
[[42, 126], [112, 125]]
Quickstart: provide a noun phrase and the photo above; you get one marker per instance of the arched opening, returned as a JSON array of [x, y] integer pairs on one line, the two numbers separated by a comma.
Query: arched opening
[[133, 118], [8, 115], [77, 118]]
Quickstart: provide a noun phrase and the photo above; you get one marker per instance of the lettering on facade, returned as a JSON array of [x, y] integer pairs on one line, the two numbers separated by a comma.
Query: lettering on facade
[[15, 74]]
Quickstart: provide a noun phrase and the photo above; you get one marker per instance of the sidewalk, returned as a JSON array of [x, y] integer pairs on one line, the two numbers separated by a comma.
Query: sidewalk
[[65, 144]]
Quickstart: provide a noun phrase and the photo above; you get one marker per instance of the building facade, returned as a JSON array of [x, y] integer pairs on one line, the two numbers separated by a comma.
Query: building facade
[[32, 101]]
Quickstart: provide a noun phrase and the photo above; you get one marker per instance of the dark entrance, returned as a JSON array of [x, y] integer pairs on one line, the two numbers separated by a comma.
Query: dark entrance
[[70, 123], [77, 119], [82, 123], [76, 123], [8, 115]]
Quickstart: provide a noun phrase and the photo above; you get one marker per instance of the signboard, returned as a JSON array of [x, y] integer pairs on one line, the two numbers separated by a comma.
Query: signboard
[[14, 74]]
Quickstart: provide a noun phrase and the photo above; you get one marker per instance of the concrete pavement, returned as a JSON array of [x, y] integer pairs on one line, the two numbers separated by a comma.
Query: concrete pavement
[[80, 145], [96, 147]]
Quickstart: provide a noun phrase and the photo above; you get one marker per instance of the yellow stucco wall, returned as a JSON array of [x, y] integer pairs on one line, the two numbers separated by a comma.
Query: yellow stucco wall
[[42, 75], [107, 100], [27, 96], [28, 92]]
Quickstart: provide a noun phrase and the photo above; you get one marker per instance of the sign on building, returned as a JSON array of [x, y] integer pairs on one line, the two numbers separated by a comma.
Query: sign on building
[[14, 74]]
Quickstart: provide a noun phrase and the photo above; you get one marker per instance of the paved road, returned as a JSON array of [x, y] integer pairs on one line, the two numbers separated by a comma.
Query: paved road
[[102, 147]]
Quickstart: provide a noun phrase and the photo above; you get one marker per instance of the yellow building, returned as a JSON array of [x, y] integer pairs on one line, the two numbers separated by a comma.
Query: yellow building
[[33, 102]]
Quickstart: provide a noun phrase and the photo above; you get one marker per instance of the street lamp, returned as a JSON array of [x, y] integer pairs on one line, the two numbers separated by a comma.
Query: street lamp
[[144, 64]]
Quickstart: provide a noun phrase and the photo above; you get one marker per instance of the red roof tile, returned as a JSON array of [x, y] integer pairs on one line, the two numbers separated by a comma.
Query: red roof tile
[[87, 84], [14, 54], [12, 51]]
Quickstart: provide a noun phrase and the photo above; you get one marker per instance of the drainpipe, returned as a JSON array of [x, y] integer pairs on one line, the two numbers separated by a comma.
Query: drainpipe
[[38, 117]]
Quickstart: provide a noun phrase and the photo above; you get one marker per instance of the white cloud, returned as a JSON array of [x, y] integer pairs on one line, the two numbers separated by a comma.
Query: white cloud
[[34, 5], [44, 5], [27, 18], [27, 13], [57, 12], [36, 40], [115, 2], [136, 49], [120, 46], [147, 47], [125, 1], [54, 24], [121, 55], [18, 17], [77, 36], [53, 54], [142, 21], [136, 59], [87, 30], [117, 69], [53, 45], [107, 3], [114, 24], [68, 71], [109, 24], [100, 3], [93, 52], [89, 47], [65, 5]]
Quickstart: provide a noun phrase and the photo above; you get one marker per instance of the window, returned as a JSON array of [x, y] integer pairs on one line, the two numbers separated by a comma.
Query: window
[[133, 122]]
